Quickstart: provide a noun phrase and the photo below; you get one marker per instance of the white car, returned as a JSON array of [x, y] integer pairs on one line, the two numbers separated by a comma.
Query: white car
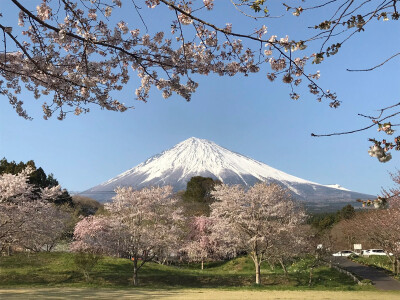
[[344, 253], [374, 252]]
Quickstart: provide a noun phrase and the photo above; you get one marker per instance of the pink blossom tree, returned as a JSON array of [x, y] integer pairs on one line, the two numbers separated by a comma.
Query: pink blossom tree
[[199, 245], [383, 230], [44, 227], [94, 236], [26, 219], [288, 245], [256, 217], [150, 222], [77, 53], [97, 235]]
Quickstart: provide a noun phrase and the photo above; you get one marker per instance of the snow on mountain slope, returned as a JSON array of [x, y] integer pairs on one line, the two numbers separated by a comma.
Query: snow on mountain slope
[[199, 157], [337, 186]]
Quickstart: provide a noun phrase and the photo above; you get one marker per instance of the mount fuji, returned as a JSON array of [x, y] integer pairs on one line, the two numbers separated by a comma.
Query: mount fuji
[[199, 157]]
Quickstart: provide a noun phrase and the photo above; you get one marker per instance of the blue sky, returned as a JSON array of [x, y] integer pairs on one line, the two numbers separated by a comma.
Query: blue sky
[[248, 115]]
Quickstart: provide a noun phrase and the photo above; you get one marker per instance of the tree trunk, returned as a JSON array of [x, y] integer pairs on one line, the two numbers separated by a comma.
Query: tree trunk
[[284, 267], [135, 272], [202, 264], [271, 265], [311, 276], [86, 275], [257, 266]]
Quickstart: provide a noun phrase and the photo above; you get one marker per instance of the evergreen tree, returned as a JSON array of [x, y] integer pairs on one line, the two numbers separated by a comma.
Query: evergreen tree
[[197, 197]]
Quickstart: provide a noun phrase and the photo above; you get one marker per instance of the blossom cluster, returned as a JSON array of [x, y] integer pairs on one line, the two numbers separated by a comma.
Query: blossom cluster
[[27, 218], [75, 55]]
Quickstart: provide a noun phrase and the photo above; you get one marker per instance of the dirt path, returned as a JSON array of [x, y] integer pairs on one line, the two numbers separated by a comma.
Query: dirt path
[[381, 280], [196, 294]]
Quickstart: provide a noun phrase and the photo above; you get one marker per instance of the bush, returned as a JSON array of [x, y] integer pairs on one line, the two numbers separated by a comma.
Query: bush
[[85, 262], [366, 282]]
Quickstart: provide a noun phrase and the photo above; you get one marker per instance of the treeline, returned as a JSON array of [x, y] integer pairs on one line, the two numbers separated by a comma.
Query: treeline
[[326, 220]]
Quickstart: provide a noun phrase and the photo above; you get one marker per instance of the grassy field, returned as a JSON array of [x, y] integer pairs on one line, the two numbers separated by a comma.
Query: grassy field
[[59, 270], [377, 261]]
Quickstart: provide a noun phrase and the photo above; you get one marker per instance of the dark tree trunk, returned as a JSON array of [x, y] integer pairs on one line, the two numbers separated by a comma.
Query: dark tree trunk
[[311, 276]]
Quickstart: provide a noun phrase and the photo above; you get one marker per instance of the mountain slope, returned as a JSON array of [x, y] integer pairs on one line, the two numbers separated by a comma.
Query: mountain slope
[[199, 157]]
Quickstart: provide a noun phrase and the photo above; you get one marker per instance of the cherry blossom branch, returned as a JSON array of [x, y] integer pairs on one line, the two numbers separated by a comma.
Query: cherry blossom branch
[[224, 31], [375, 67], [357, 130], [35, 63]]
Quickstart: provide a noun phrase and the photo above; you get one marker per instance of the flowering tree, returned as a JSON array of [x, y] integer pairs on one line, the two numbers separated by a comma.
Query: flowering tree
[[45, 225], [347, 232], [150, 221], [290, 244], [383, 229], [77, 53], [391, 196], [257, 216], [94, 236], [26, 219], [199, 245]]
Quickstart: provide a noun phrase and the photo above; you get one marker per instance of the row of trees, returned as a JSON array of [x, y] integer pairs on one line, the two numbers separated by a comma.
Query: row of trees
[[147, 224], [373, 227], [151, 224]]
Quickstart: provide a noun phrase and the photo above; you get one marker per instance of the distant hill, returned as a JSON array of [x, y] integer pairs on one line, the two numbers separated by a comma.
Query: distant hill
[[199, 157]]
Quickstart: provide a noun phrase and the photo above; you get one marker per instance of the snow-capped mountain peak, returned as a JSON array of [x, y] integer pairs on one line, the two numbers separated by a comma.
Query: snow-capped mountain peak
[[200, 157]]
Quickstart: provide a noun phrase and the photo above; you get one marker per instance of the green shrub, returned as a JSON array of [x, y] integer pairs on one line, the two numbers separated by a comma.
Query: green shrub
[[85, 262], [366, 282]]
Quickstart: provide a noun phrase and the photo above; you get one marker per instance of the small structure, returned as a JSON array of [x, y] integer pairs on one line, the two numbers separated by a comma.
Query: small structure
[[358, 248]]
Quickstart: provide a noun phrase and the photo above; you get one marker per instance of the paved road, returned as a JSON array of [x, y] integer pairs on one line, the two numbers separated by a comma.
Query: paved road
[[381, 280]]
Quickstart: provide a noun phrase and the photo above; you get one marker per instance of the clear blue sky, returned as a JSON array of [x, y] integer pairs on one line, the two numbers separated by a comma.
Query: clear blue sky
[[248, 115]]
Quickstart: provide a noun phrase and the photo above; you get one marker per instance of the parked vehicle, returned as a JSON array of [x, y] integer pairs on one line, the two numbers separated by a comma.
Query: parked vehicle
[[374, 252], [344, 253]]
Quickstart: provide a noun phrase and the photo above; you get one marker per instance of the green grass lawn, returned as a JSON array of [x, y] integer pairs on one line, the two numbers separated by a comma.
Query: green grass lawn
[[59, 270], [378, 261]]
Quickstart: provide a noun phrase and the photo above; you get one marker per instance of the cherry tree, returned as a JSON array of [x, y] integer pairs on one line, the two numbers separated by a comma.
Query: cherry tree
[[290, 244], [347, 232], [384, 224], [94, 236], [15, 188], [258, 216], [200, 245], [27, 219], [150, 221], [45, 226], [383, 229], [391, 196], [78, 53]]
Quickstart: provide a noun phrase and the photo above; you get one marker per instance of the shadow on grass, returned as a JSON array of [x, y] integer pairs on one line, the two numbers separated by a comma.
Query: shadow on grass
[[58, 269]]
